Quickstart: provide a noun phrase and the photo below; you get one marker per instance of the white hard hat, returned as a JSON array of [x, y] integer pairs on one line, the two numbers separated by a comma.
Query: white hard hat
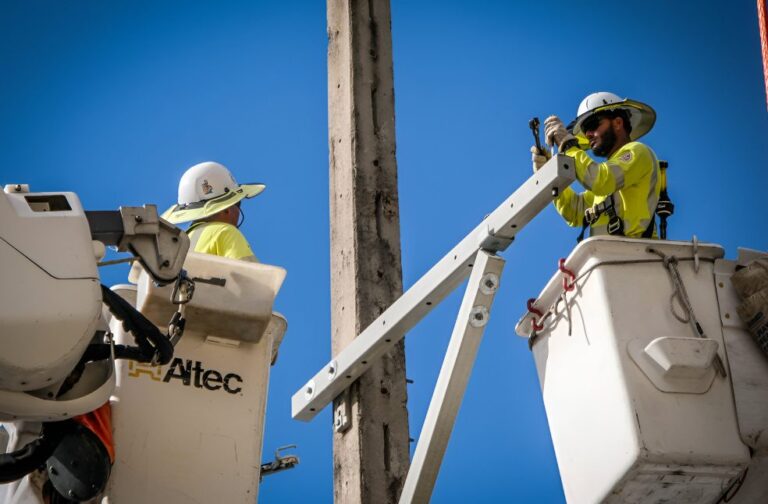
[[641, 116], [206, 189]]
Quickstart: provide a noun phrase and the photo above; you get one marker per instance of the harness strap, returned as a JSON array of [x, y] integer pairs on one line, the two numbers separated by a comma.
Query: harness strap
[[584, 226], [592, 214], [615, 223], [648, 233]]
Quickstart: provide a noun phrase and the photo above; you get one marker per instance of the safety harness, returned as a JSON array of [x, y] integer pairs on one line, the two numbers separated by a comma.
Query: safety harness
[[664, 209]]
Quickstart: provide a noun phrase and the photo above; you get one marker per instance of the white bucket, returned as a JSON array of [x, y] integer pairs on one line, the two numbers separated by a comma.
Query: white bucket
[[636, 410], [191, 430]]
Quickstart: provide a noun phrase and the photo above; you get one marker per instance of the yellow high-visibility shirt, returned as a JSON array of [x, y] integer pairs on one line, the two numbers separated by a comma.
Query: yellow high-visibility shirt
[[631, 174], [221, 239]]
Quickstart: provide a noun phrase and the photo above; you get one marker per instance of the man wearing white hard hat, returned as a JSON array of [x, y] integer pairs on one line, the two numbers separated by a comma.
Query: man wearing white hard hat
[[622, 192], [209, 197]]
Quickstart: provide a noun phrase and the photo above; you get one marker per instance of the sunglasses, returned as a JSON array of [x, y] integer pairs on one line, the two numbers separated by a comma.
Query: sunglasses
[[592, 123]]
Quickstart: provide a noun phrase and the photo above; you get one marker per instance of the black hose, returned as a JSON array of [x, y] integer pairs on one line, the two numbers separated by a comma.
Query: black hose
[[16, 465], [151, 342]]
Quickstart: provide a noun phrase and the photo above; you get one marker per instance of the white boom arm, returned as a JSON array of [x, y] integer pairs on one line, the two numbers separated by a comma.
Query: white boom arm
[[495, 233], [474, 255]]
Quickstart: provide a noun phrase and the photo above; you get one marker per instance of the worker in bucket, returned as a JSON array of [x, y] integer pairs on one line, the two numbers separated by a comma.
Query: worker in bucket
[[622, 192], [210, 198]]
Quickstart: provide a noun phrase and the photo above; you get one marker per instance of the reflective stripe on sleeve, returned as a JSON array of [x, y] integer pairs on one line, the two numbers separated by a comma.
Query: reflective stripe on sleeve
[[577, 205], [618, 174], [590, 175]]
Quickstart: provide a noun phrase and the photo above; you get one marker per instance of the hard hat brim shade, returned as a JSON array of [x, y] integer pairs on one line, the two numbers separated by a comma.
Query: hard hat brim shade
[[642, 117], [202, 209]]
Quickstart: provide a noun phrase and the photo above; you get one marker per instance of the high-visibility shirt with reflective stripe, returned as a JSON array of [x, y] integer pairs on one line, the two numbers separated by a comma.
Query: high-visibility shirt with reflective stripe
[[221, 239], [631, 174]]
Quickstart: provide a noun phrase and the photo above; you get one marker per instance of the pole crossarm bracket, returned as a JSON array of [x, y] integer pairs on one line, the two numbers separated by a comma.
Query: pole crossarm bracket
[[495, 233]]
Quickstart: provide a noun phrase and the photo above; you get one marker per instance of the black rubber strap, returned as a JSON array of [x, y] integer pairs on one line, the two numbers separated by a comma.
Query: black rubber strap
[[584, 226], [648, 233], [615, 223]]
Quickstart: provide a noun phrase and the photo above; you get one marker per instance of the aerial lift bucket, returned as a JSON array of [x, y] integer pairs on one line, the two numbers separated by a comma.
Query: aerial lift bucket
[[637, 409], [191, 430]]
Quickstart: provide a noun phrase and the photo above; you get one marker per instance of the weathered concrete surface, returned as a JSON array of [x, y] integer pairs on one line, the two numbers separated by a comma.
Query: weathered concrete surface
[[371, 458]]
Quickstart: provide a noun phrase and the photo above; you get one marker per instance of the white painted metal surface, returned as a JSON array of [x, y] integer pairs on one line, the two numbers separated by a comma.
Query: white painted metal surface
[[749, 375], [50, 220], [46, 256], [191, 431], [619, 436], [749, 366], [93, 390], [493, 234], [454, 376], [241, 306]]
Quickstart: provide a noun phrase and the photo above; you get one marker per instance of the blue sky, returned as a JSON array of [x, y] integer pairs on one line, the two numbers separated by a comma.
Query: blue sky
[[114, 100]]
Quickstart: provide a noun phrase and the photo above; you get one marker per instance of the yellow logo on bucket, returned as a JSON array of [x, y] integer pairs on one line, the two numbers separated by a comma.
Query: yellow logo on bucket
[[138, 368]]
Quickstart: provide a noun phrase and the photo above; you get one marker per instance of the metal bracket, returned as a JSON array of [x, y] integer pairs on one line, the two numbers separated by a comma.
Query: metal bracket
[[281, 463], [159, 245], [342, 412], [454, 376]]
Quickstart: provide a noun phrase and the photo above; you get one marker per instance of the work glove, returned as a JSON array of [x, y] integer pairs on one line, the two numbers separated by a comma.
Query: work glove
[[556, 134], [538, 159]]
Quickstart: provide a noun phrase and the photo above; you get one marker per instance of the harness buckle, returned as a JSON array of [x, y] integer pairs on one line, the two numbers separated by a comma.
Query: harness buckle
[[594, 212], [615, 226], [591, 214]]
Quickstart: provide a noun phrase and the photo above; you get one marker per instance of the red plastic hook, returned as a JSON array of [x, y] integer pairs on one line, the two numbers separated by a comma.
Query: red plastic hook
[[567, 285], [532, 309]]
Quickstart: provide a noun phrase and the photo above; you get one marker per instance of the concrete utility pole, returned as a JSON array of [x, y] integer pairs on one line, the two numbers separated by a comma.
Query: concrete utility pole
[[370, 444]]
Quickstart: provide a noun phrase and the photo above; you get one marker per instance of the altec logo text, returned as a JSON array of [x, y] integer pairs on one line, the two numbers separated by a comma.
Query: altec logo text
[[190, 373]]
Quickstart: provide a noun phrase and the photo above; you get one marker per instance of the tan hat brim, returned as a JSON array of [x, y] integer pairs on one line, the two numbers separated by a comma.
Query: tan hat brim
[[642, 117], [200, 210]]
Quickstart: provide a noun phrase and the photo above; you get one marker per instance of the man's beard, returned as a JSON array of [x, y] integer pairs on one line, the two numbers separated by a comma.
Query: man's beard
[[607, 142]]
